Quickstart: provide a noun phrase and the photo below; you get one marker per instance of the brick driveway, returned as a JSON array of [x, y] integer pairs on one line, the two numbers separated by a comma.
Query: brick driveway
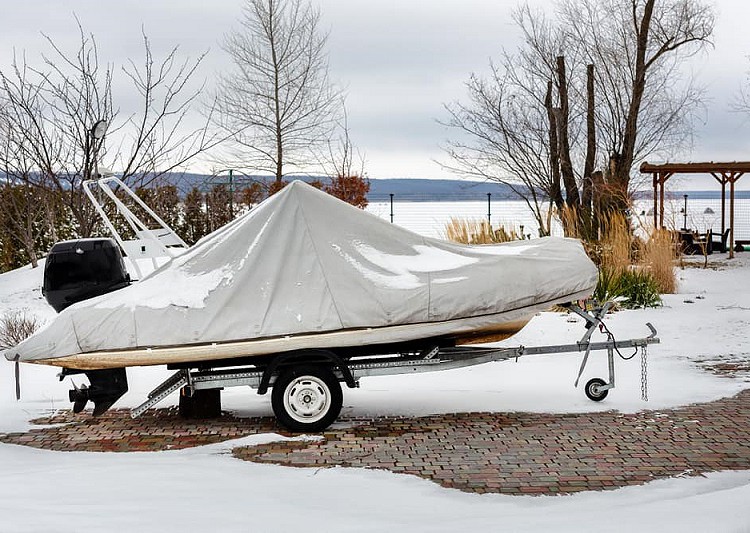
[[511, 453]]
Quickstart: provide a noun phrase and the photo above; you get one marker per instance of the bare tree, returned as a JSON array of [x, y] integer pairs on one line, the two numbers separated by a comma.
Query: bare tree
[[342, 157], [155, 139], [519, 124], [16, 326], [24, 209], [278, 103], [505, 136], [55, 103], [344, 166], [639, 48], [741, 101], [539, 116]]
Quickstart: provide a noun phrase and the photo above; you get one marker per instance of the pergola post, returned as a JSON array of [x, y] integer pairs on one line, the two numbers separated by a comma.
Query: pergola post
[[653, 179], [732, 179], [661, 200], [723, 205], [661, 179], [723, 181]]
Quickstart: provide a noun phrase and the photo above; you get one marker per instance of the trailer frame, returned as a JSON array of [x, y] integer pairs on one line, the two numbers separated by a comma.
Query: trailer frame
[[432, 357]]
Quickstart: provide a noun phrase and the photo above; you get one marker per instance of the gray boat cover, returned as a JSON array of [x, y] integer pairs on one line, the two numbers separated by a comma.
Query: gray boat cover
[[305, 262]]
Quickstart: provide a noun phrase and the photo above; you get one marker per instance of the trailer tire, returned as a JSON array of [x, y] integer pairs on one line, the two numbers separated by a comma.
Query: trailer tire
[[593, 389], [306, 398]]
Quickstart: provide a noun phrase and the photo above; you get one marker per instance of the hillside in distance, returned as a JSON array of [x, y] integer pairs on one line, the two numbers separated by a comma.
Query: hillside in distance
[[412, 189], [403, 189]]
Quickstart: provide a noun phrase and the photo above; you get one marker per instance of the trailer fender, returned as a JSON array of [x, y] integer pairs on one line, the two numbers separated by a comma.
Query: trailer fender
[[306, 357]]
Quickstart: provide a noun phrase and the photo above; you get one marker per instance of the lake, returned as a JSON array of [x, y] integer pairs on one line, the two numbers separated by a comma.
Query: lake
[[430, 218]]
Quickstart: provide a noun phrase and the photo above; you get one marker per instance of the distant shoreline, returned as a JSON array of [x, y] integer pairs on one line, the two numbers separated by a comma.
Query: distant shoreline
[[481, 196]]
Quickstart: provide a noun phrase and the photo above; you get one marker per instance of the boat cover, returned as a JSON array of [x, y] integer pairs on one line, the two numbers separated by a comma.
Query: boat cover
[[304, 262]]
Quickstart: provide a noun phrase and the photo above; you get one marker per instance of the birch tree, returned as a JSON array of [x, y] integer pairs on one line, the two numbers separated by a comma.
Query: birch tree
[[278, 103]]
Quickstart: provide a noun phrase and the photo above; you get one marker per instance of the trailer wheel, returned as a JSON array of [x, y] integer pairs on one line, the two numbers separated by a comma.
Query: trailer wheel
[[306, 398], [594, 389]]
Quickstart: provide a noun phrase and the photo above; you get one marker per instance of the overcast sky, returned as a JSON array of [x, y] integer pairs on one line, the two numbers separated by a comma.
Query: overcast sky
[[399, 60]]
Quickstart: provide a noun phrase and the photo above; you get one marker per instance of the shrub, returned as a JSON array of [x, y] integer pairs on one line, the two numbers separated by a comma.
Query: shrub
[[351, 189], [15, 327], [631, 288], [630, 267]]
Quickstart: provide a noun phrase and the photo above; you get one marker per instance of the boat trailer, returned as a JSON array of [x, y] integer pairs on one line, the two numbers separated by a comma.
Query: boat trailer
[[307, 395]]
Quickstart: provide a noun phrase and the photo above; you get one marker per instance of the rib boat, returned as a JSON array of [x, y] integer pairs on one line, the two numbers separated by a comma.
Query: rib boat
[[304, 270]]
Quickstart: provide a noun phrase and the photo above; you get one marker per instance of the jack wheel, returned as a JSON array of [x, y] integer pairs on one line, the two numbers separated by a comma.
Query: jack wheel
[[307, 398], [594, 389]]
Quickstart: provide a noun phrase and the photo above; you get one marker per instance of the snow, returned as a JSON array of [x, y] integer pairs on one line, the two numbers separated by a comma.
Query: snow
[[187, 289], [506, 250], [399, 269], [206, 488]]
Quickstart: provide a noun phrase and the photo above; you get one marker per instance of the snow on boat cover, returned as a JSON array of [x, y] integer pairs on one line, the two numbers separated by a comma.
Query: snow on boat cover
[[305, 270]]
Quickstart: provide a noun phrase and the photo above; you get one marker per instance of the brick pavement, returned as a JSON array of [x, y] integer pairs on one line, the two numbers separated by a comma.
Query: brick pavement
[[116, 431], [513, 453]]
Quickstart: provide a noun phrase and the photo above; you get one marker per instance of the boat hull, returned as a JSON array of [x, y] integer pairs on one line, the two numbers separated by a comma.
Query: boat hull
[[485, 328]]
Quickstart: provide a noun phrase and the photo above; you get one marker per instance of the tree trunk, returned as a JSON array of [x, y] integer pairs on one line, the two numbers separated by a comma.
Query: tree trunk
[[588, 167], [620, 164], [554, 158], [279, 162], [32, 255], [566, 166]]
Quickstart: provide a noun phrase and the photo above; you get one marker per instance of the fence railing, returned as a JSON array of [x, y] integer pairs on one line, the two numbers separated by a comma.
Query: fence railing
[[430, 214]]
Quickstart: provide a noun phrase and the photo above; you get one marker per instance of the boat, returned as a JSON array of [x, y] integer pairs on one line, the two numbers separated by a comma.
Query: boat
[[304, 270]]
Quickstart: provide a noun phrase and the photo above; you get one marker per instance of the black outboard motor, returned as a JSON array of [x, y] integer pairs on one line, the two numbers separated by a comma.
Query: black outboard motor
[[81, 269], [75, 271]]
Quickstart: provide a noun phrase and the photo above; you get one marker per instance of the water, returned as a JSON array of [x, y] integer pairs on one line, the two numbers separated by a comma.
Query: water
[[431, 218]]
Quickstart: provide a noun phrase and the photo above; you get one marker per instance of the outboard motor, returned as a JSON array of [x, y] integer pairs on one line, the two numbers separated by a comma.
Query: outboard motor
[[75, 271], [81, 269]]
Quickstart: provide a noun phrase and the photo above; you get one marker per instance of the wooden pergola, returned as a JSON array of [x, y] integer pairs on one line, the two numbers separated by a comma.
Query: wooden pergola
[[724, 173]]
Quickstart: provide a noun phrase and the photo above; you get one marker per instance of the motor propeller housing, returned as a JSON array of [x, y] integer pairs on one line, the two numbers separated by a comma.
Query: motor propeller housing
[[107, 386]]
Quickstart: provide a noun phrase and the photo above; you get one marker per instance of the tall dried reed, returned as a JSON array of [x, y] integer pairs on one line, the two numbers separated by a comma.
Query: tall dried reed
[[570, 220], [472, 231], [616, 243], [658, 256], [619, 253]]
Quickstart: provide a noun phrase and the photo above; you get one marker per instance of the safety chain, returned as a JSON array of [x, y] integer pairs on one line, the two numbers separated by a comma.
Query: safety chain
[[644, 373]]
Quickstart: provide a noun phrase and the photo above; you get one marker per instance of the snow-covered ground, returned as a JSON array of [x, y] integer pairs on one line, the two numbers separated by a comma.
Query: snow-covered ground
[[205, 488]]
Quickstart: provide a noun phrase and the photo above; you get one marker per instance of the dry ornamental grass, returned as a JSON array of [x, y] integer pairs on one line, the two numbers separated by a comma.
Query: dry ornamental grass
[[658, 256], [468, 231]]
